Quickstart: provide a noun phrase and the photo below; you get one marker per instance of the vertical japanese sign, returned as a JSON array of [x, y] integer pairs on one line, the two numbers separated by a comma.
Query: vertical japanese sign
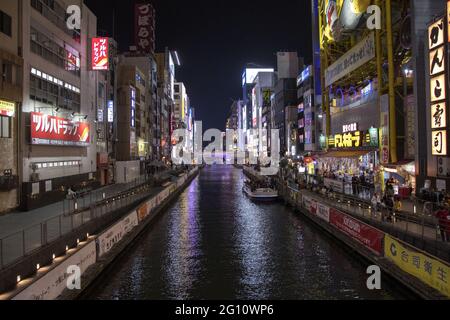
[[133, 107], [110, 111], [100, 54], [409, 111], [384, 129], [145, 27], [438, 86]]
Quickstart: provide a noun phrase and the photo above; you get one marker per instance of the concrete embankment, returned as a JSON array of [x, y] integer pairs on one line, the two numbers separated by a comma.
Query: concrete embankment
[[420, 272], [92, 257]]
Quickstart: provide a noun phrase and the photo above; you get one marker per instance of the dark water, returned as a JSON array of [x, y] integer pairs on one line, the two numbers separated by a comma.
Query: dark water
[[214, 243]]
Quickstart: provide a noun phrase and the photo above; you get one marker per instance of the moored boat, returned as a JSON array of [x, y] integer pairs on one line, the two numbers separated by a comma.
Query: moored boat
[[260, 193]]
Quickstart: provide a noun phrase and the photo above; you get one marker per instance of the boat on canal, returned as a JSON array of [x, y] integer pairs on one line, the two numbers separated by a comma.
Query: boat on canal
[[259, 193]]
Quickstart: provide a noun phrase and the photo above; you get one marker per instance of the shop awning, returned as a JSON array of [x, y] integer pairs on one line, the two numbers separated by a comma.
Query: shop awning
[[407, 165], [345, 154]]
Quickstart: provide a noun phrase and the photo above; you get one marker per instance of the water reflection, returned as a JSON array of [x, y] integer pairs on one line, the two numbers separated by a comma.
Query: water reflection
[[214, 243]]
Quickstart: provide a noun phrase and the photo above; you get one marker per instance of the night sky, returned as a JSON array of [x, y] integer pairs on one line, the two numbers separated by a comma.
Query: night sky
[[214, 40]]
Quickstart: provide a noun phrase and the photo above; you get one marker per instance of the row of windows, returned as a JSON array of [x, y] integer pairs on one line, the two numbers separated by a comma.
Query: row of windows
[[51, 93], [5, 127], [54, 12], [57, 164], [54, 80], [51, 51], [5, 24]]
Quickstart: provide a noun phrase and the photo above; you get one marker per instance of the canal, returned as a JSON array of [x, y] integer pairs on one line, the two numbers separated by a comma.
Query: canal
[[213, 243]]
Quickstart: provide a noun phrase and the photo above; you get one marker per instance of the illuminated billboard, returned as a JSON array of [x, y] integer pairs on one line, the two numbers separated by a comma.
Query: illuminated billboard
[[251, 73], [144, 16], [100, 54], [7, 108], [50, 130], [438, 88]]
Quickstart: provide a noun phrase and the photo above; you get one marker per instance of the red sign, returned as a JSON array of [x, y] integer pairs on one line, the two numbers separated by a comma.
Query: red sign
[[366, 235], [52, 130], [145, 27], [100, 54]]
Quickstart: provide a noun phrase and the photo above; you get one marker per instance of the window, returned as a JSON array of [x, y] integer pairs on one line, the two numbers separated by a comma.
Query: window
[[55, 13], [50, 90], [5, 127], [7, 72], [5, 24], [66, 57]]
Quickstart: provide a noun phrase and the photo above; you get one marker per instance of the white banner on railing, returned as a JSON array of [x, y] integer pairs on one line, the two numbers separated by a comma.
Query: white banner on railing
[[323, 212], [51, 285], [108, 239], [335, 185]]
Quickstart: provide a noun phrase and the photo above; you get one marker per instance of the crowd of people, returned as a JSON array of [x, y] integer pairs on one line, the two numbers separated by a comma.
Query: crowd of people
[[388, 204]]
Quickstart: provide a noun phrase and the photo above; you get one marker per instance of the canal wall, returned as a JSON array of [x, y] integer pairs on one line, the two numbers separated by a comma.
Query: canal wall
[[395, 253], [417, 270], [97, 252]]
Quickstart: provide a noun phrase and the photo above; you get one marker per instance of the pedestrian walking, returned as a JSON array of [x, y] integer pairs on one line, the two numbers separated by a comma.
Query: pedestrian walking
[[389, 205]]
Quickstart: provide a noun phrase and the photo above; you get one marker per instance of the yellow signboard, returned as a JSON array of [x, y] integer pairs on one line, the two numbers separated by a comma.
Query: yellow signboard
[[142, 148], [429, 270], [7, 108]]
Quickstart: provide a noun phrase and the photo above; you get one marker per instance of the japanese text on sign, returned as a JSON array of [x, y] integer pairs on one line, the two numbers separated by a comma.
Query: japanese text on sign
[[100, 59]]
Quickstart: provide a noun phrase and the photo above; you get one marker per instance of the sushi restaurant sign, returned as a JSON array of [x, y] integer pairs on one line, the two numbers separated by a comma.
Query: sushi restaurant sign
[[51, 130], [438, 103]]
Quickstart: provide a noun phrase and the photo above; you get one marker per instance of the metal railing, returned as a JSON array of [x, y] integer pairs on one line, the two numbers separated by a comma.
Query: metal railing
[[421, 222], [19, 244]]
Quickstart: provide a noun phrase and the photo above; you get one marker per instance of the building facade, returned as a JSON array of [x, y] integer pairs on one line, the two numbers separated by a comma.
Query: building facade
[[58, 145], [11, 98]]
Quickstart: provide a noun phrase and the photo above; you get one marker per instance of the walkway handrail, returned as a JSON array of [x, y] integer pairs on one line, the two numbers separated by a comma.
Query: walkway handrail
[[37, 235]]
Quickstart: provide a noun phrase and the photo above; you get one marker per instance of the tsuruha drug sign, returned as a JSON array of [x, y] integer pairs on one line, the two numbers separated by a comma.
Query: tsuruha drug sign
[[100, 55], [50, 130]]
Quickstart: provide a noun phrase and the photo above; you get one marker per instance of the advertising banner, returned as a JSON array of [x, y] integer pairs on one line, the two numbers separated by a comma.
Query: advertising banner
[[100, 54], [384, 129], [144, 27], [52, 284], [143, 211], [366, 235], [356, 57], [7, 108], [429, 270], [323, 212], [129, 222], [335, 185], [107, 240], [307, 202], [50, 130]]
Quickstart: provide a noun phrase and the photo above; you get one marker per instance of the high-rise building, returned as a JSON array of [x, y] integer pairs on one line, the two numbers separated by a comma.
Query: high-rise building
[[106, 119], [181, 106], [285, 99], [166, 83], [57, 142]]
